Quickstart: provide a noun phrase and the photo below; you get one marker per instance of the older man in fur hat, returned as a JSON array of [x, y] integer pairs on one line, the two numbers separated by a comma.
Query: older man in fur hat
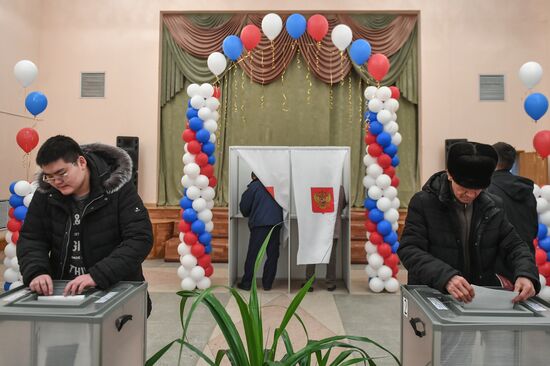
[[455, 231]]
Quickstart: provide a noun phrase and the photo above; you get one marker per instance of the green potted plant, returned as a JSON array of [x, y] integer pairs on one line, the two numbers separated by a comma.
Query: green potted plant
[[254, 353]]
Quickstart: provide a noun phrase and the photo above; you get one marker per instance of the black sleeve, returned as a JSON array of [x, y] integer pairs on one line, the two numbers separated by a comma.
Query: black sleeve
[[247, 199], [414, 250], [33, 246], [137, 239]]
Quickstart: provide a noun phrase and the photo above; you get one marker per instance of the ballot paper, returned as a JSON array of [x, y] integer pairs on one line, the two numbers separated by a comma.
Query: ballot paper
[[60, 298], [491, 299]]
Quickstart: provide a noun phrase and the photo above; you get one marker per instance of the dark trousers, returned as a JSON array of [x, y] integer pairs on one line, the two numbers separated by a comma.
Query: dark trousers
[[257, 237]]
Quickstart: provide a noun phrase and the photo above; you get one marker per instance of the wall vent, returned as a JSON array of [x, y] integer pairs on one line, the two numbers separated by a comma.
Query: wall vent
[[491, 87], [92, 85]]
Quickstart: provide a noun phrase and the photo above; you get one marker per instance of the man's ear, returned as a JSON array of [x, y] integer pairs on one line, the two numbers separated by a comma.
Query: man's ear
[[82, 161]]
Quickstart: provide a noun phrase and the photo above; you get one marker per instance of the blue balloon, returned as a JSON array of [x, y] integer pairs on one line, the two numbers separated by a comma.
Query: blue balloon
[[384, 139], [186, 203], [211, 160], [232, 47], [543, 231], [296, 25], [383, 227], [391, 238], [12, 187], [359, 52], [197, 227], [391, 150], [16, 201], [36, 102], [7, 286], [373, 116], [536, 105], [370, 203], [20, 212], [191, 112], [190, 215], [545, 244], [195, 124], [376, 128], [205, 238], [208, 148], [189, 103], [395, 161], [208, 249], [203, 135], [394, 247], [375, 215]]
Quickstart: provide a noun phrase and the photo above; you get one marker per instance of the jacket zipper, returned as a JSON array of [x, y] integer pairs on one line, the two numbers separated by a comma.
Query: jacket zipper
[[479, 228]]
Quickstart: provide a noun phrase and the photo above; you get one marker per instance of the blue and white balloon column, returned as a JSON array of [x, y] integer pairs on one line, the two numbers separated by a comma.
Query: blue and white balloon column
[[382, 204], [198, 182], [20, 199]]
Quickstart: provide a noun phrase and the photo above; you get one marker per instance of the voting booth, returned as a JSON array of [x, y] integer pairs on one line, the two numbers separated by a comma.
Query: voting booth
[[438, 330], [305, 182], [96, 328]]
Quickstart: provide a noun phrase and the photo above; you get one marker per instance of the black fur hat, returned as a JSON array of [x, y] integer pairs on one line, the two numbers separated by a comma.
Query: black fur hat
[[472, 164]]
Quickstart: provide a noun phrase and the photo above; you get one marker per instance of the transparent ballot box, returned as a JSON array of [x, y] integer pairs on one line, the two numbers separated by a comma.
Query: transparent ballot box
[[96, 328], [437, 330]]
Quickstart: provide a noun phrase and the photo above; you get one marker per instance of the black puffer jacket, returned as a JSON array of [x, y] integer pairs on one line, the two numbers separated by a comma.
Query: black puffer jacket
[[116, 233], [431, 249]]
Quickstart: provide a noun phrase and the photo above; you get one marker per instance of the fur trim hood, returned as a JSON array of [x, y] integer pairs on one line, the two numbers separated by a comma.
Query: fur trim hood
[[112, 165]]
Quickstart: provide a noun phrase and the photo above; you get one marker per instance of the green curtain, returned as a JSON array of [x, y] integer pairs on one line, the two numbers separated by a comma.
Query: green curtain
[[297, 110]]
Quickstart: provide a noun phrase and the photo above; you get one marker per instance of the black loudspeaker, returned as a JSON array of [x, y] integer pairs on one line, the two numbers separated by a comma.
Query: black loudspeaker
[[130, 144], [448, 143]]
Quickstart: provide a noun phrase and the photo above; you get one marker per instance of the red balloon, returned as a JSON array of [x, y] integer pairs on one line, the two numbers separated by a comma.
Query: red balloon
[[391, 261], [384, 250], [390, 171], [376, 238], [395, 181], [204, 261], [370, 138], [208, 271], [194, 147], [207, 170], [370, 226], [14, 225], [10, 213], [378, 66], [201, 159], [184, 226], [190, 238], [27, 139], [188, 135], [15, 237], [384, 161], [217, 92], [394, 271], [540, 257], [197, 250], [536, 242], [541, 142], [317, 27], [545, 269], [250, 36], [212, 182], [395, 92], [375, 150]]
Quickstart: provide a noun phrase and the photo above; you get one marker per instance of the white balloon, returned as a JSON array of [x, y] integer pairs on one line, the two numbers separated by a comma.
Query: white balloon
[[536, 190], [10, 275], [395, 203], [395, 226], [204, 283], [383, 93], [384, 116], [7, 262], [370, 92], [530, 74], [197, 273], [391, 215], [211, 125], [208, 193], [10, 250], [204, 113], [368, 181], [16, 284], [374, 170], [542, 205], [209, 226], [205, 215], [375, 105], [371, 272], [8, 236], [370, 247], [384, 273], [187, 284], [369, 160], [202, 181], [188, 261], [383, 181], [391, 127], [341, 36], [25, 72], [391, 285], [383, 204], [215, 115], [545, 293], [192, 170], [216, 63], [374, 192], [272, 25], [391, 105], [188, 158], [212, 103], [182, 272], [396, 139], [212, 138], [375, 260], [187, 182], [193, 89], [183, 249], [199, 204], [185, 149], [22, 188], [376, 284], [197, 101], [209, 205], [206, 90], [27, 200], [545, 192], [394, 116], [545, 218], [193, 192], [542, 281], [15, 264], [390, 192], [181, 240]]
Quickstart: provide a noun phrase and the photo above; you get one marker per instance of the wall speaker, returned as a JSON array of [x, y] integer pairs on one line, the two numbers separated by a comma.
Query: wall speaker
[[130, 144]]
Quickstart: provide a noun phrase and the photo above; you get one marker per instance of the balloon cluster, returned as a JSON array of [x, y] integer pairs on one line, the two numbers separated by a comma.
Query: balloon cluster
[[198, 181], [542, 242], [382, 204], [20, 199]]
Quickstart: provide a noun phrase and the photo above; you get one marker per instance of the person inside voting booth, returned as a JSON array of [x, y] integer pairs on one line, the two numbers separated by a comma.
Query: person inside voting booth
[[454, 230], [86, 222], [263, 212]]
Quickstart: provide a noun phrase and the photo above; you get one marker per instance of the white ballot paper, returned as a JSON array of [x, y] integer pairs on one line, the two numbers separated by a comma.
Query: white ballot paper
[[60, 298], [491, 299]]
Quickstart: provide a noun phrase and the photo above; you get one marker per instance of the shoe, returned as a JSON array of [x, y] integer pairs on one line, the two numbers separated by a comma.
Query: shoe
[[267, 288], [331, 287], [309, 289], [243, 286]]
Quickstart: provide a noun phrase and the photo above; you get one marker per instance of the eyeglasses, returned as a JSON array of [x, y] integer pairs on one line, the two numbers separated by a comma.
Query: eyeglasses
[[51, 178]]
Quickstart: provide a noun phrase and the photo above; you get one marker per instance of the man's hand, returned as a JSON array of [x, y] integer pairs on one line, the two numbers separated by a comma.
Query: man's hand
[[525, 288], [42, 285], [460, 289], [79, 284]]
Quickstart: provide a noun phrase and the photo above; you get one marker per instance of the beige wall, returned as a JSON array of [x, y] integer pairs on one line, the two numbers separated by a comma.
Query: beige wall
[[459, 40]]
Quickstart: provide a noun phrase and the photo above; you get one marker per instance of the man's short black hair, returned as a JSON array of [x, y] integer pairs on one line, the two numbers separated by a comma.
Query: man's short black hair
[[506, 155], [58, 147]]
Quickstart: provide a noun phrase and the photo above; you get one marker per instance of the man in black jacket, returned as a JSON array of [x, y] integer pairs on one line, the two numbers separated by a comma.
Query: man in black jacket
[[454, 231], [86, 222], [263, 213]]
